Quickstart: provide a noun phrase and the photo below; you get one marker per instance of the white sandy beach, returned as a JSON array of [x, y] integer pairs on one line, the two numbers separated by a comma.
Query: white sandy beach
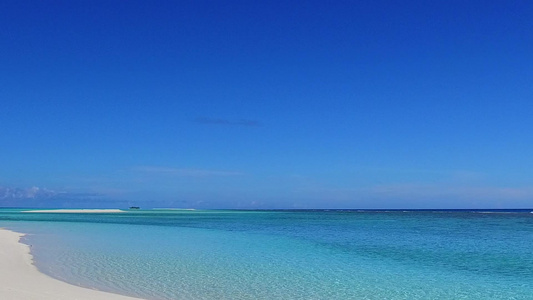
[[20, 279], [78, 211]]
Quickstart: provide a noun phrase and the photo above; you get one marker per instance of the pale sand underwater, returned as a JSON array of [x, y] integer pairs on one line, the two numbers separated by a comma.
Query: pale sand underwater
[[20, 279], [253, 255]]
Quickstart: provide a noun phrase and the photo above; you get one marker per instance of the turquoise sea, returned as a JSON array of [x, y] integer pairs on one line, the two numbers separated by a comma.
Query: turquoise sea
[[310, 254]]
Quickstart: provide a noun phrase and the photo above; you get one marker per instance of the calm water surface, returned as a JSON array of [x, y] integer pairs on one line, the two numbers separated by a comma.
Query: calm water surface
[[172, 254]]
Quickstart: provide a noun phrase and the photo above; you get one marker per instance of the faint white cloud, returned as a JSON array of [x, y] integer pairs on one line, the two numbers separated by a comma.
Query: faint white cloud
[[454, 192], [184, 172], [418, 196], [26, 193]]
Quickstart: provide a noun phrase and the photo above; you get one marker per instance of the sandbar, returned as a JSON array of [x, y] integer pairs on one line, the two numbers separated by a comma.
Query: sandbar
[[20, 279], [75, 211]]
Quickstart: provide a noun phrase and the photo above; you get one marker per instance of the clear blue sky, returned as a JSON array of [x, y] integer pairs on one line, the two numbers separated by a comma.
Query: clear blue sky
[[267, 104]]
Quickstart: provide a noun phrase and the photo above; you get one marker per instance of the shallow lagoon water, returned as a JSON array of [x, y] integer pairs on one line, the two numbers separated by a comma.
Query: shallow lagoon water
[[287, 254]]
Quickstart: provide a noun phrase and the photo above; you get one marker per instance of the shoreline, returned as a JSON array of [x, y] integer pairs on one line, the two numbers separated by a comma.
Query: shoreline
[[21, 280]]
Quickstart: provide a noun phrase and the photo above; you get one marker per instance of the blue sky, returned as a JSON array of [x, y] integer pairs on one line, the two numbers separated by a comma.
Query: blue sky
[[267, 104]]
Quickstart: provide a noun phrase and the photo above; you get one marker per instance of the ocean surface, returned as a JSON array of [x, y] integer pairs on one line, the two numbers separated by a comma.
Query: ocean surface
[[317, 254]]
